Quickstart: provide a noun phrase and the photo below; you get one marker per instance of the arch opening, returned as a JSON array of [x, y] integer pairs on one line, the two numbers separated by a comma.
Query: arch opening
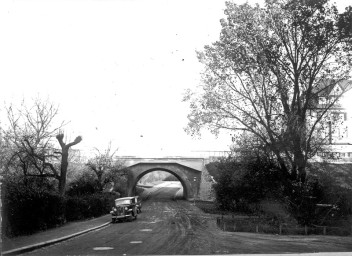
[[160, 177]]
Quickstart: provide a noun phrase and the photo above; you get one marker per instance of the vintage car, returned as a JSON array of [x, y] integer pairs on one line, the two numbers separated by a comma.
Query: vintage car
[[139, 204], [126, 208]]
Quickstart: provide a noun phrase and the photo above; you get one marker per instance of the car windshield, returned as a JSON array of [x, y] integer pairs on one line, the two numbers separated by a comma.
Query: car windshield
[[120, 202]]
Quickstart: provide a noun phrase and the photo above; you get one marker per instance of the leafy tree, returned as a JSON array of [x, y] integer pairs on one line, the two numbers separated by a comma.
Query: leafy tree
[[106, 167], [265, 73], [29, 139], [242, 182]]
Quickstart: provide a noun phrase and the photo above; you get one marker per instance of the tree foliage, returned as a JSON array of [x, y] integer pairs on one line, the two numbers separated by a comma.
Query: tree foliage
[[264, 75], [244, 182], [106, 167], [29, 206]]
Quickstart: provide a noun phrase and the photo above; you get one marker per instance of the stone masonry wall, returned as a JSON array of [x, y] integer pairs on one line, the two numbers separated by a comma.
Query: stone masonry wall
[[206, 191]]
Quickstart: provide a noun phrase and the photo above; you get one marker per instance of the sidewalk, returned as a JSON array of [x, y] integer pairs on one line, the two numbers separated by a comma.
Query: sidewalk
[[51, 235]]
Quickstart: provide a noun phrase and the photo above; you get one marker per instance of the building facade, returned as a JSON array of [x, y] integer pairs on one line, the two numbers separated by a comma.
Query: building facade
[[337, 127]]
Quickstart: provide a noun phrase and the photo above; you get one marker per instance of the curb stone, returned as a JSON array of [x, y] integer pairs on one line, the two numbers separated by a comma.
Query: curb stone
[[50, 242]]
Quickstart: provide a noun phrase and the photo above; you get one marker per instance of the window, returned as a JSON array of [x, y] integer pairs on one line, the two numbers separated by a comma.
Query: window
[[322, 100]]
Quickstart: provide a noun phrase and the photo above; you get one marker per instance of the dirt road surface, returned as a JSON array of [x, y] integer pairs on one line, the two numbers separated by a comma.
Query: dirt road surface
[[168, 226]]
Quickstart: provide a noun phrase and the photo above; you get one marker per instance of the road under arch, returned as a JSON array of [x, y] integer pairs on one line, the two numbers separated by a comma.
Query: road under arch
[[189, 177]]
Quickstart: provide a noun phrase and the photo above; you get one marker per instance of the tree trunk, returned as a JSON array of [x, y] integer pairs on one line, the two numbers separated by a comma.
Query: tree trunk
[[100, 180], [64, 160], [63, 171], [299, 161]]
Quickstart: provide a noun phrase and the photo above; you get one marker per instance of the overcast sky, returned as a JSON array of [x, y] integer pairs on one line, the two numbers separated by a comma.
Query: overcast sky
[[117, 68]]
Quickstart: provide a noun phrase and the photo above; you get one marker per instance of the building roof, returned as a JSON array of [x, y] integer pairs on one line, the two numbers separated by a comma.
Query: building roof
[[325, 87]]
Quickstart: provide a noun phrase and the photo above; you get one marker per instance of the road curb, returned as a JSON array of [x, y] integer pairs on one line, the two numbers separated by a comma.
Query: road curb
[[50, 242]]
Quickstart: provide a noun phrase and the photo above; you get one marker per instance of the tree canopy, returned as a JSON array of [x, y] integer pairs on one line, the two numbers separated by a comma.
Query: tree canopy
[[106, 167], [264, 75]]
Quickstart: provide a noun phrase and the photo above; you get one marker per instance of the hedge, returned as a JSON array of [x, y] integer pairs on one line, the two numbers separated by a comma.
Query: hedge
[[88, 206], [25, 211]]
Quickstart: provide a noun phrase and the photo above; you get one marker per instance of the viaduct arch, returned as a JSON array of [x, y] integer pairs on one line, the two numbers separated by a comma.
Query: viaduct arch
[[187, 170]]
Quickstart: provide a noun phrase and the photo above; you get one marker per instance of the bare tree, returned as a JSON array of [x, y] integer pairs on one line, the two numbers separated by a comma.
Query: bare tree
[[106, 167], [64, 160], [31, 134]]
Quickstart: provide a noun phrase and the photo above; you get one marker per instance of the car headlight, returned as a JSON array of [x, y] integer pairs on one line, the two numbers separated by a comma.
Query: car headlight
[[126, 208]]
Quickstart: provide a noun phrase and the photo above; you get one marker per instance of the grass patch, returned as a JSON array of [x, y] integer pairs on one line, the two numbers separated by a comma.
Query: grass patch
[[269, 226], [211, 208]]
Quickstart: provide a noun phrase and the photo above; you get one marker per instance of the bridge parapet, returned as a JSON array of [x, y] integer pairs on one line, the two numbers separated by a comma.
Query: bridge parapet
[[194, 163]]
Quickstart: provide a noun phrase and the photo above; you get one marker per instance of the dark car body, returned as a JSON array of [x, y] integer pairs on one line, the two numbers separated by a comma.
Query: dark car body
[[126, 208]]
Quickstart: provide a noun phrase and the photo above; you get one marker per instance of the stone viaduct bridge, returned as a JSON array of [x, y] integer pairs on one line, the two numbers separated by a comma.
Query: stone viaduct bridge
[[191, 172]]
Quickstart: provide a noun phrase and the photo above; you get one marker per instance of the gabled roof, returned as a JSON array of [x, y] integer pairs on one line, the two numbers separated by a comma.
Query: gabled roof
[[346, 84], [325, 87]]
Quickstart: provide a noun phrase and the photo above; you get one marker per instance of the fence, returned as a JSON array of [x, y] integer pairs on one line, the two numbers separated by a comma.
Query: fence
[[256, 225]]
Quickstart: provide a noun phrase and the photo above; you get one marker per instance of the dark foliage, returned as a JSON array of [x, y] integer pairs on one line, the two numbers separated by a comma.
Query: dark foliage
[[26, 210], [213, 169], [31, 205], [89, 206], [84, 185], [322, 200], [241, 184], [171, 178], [244, 184]]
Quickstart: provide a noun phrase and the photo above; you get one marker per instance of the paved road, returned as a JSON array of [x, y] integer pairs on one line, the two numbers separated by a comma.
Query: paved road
[[167, 226]]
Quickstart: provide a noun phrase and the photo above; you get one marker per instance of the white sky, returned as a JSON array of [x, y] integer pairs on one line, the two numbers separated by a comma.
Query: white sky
[[118, 68]]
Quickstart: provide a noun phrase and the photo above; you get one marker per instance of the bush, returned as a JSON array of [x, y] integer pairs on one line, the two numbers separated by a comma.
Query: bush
[[323, 199], [171, 178], [86, 184], [31, 205], [26, 210], [89, 206], [255, 185], [242, 185]]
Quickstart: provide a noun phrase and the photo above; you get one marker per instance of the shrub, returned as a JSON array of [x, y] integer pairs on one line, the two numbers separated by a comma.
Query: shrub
[[242, 184], [89, 206], [323, 199], [86, 184], [29, 205], [170, 178], [255, 185], [120, 186], [26, 210]]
